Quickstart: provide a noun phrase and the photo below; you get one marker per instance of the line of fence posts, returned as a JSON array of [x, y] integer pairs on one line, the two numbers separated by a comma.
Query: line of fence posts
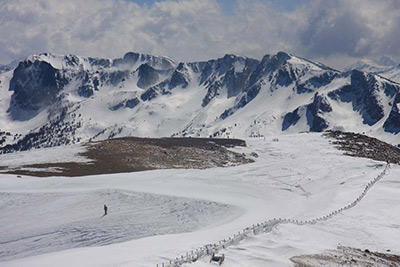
[[264, 227]]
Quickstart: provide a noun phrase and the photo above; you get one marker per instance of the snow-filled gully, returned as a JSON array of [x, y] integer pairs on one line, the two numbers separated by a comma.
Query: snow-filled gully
[[265, 227]]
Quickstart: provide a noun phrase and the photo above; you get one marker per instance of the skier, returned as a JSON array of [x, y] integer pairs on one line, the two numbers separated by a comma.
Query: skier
[[105, 210]]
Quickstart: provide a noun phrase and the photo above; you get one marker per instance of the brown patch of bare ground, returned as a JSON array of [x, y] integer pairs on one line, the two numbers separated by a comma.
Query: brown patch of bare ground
[[347, 256], [358, 145], [131, 154]]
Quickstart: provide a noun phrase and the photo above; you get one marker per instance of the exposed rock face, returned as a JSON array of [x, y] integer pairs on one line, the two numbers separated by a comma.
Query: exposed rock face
[[315, 82], [290, 119], [363, 93], [180, 77], [129, 103], [147, 76], [392, 124], [230, 73], [131, 59], [35, 85], [315, 112]]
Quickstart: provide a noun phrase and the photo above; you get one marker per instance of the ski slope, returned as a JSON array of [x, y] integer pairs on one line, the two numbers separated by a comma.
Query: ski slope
[[299, 177]]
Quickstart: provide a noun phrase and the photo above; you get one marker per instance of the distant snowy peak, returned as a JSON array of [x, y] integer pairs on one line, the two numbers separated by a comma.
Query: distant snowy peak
[[385, 67], [129, 60], [387, 61], [4, 68], [13, 64], [370, 65]]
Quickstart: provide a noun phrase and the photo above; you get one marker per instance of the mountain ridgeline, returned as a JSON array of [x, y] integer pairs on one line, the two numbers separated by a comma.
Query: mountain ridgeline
[[52, 100]]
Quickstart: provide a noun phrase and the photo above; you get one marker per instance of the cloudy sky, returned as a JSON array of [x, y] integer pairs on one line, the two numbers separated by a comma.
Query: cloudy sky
[[335, 32]]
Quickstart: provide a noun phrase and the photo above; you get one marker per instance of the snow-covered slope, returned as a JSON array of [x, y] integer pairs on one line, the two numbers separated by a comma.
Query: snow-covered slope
[[169, 213], [385, 67], [50, 99]]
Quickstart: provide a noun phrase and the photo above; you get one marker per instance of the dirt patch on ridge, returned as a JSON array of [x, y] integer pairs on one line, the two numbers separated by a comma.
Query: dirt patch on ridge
[[130, 154], [359, 145], [347, 256]]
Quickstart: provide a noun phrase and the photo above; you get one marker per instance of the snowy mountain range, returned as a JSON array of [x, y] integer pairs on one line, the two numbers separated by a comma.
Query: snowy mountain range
[[385, 67], [50, 100]]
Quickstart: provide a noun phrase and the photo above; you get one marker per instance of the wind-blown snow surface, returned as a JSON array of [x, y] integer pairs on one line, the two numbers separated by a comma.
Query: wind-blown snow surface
[[63, 220], [298, 176]]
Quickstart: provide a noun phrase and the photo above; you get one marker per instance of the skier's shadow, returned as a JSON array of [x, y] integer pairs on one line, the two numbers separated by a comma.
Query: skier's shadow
[[103, 216]]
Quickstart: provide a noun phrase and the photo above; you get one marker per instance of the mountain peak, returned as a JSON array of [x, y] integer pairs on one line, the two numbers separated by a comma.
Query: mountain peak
[[133, 59], [283, 56], [233, 57], [387, 61]]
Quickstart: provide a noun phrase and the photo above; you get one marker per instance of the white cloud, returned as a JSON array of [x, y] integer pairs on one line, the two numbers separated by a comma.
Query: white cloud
[[199, 29], [352, 28]]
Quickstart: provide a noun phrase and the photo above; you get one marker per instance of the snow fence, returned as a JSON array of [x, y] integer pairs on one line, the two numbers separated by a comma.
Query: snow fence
[[265, 227]]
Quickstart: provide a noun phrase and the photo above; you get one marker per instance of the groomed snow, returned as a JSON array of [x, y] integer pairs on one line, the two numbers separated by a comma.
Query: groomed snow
[[297, 176]]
